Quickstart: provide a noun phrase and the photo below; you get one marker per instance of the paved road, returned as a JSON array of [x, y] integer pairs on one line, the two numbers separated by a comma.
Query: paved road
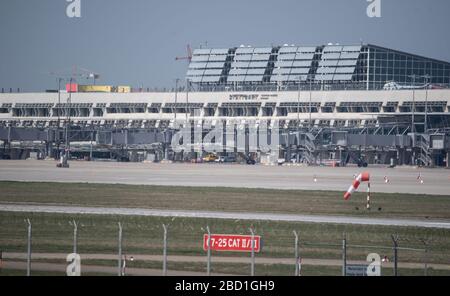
[[223, 215], [219, 259], [403, 180]]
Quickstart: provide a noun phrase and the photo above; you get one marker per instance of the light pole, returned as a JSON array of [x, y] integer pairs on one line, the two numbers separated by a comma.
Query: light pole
[[176, 97], [59, 118], [310, 98], [414, 103], [187, 99], [298, 103], [427, 79], [298, 118], [69, 102]]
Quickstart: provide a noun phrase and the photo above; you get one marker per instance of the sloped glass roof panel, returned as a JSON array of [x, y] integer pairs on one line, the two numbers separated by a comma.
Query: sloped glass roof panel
[[347, 62], [254, 78], [307, 49], [213, 72], [215, 65], [211, 79], [258, 64], [263, 50], [349, 55], [237, 72], [304, 56], [345, 70], [240, 50], [331, 56], [219, 51], [301, 64], [195, 79], [326, 70], [342, 77], [328, 63], [300, 71], [283, 64], [217, 58], [260, 57], [333, 48], [239, 65], [200, 58], [284, 57], [288, 49], [352, 48], [243, 57], [281, 71], [256, 71]]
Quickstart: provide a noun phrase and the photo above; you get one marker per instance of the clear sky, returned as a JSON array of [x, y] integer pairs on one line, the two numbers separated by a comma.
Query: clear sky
[[135, 42]]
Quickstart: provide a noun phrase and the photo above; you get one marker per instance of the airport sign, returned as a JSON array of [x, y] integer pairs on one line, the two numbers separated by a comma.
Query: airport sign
[[233, 243]]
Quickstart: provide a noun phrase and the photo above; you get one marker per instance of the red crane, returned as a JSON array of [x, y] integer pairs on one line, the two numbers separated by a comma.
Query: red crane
[[189, 55]]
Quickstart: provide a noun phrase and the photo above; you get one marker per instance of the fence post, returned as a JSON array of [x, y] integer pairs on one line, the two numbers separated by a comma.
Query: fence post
[[75, 236], [165, 251], [297, 267], [344, 255], [208, 261], [29, 248], [119, 266], [395, 240], [252, 269], [425, 255]]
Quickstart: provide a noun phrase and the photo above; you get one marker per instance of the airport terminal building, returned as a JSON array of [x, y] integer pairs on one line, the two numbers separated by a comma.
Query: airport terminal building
[[354, 103]]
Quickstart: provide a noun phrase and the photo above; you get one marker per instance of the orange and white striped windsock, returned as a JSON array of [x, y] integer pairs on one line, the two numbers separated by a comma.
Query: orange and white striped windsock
[[363, 177]]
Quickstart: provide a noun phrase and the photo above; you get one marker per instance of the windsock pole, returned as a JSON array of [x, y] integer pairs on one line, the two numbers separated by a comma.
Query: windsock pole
[[368, 196]]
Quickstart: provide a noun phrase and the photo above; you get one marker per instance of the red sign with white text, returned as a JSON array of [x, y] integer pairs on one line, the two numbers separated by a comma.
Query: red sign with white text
[[236, 243]]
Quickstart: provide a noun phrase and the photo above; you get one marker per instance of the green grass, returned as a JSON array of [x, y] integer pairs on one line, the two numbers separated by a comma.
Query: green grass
[[17, 272], [239, 268], [143, 235], [225, 199]]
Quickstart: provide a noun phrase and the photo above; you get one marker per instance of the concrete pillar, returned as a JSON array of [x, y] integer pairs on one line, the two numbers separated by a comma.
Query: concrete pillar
[[447, 159], [400, 156], [166, 152], [288, 153]]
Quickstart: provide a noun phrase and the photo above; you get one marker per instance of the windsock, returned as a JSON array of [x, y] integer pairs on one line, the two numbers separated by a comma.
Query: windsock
[[363, 177]]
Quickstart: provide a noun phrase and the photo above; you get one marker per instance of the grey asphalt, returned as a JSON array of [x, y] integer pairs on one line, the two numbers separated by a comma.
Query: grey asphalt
[[224, 215], [401, 179]]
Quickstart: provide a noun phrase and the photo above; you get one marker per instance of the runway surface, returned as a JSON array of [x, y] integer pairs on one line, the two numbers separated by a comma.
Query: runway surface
[[224, 215], [401, 180]]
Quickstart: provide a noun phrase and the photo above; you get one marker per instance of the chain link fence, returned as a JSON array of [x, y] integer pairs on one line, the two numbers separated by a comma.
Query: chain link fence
[[36, 244]]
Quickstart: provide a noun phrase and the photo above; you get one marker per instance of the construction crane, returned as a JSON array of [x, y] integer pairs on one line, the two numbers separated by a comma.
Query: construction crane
[[189, 55]]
